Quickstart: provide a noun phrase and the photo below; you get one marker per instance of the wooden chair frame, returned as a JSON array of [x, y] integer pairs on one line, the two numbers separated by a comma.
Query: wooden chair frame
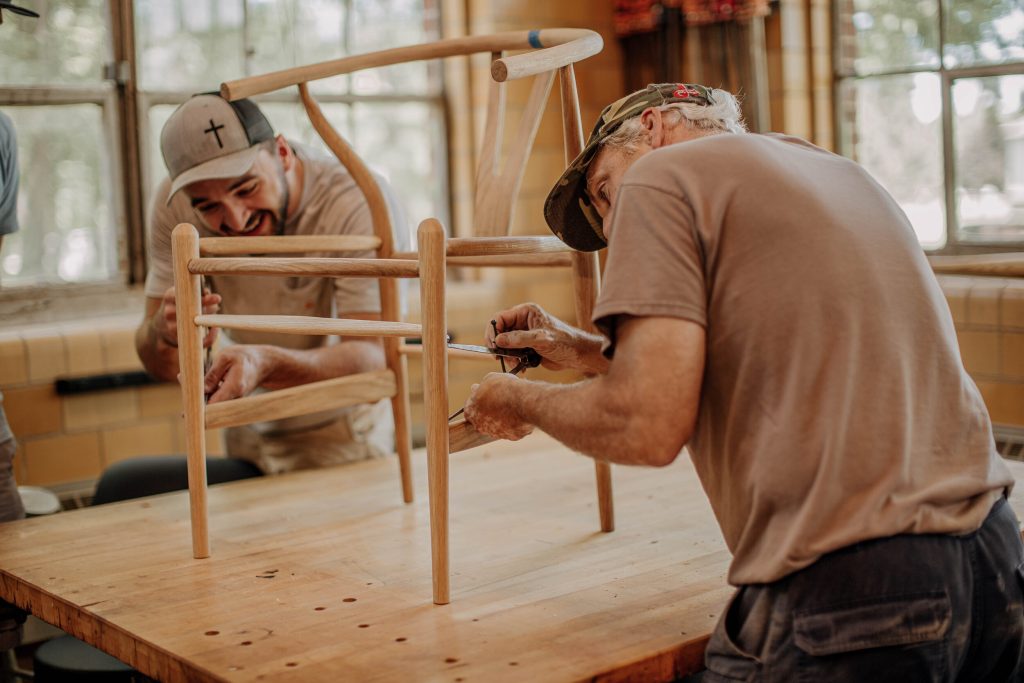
[[553, 50]]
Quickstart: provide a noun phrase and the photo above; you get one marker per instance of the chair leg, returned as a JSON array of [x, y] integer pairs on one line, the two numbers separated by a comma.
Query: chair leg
[[435, 384], [586, 278], [185, 245], [400, 410]]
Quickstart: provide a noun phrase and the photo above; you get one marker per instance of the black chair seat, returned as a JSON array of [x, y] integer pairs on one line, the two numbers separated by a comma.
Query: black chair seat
[[69, 660]]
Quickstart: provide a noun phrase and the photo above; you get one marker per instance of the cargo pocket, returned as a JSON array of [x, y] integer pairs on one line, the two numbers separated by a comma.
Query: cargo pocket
[[725, 658], [848, 642]]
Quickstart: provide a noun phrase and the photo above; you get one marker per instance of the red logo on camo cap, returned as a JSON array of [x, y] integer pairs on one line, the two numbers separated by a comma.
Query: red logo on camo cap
[[682, 90]]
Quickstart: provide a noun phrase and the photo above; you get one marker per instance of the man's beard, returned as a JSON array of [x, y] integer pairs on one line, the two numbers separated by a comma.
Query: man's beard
[[285, 198]]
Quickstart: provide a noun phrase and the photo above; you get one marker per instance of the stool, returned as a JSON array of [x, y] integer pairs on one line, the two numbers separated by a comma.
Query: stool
[[68, 660], [38, 501]]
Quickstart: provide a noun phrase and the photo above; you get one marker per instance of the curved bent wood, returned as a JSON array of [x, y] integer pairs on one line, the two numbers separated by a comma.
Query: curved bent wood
[[560, 46], [388, 288], [997, 265], [462, 436], [558, 54], [328, 394]]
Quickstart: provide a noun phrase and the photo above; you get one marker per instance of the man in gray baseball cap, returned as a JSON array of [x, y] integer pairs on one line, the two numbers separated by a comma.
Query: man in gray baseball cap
[[767, 305], [230, 175]]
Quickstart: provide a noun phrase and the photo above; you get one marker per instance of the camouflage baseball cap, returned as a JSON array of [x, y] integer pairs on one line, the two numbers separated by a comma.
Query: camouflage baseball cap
[[568, 210]]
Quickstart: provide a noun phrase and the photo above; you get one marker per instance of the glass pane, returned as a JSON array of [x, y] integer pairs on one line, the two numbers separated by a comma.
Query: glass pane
[[402, 142], [188, 45], [285, 33], [68, 43], [892, 125], [989, 139], [380, 24], [405, 143], [886, 35], [984, 32], [64, 204]]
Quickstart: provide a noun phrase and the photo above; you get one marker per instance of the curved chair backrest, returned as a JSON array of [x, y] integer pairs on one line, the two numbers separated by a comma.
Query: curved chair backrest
[[550, 51]]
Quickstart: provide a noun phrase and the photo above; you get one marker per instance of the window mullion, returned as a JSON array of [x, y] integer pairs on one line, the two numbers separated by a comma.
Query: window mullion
[[949, 161]]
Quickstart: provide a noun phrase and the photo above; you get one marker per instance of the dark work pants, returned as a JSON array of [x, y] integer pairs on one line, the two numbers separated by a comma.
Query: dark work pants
[[908, 609], [138, 477]]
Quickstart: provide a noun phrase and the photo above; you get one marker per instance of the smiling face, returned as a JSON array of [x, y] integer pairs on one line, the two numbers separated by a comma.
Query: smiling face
[[255, 204]]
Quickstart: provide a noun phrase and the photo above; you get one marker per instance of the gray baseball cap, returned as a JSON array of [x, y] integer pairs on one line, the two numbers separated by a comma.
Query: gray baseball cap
[[209, 138], [568, 210]]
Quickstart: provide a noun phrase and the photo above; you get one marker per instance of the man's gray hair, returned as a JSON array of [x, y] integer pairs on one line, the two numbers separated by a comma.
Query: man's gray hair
[[723, 116]]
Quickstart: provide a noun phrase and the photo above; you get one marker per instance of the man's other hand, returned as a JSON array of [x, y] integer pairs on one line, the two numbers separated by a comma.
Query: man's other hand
[[491, 412], [236, 371], [560, 345], [165, 322]]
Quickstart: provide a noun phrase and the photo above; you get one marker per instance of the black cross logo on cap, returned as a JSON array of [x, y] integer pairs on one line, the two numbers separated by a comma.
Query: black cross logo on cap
[[213, 129]]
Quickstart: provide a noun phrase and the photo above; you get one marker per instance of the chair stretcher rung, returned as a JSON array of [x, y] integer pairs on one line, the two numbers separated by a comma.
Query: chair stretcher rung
[[302, 324], [310, 267], [285, 244], [315, 397], [498, 246]]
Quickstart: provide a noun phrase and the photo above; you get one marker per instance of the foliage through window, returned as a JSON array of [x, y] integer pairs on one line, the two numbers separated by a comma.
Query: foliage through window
[[57, 85], [930, 98]]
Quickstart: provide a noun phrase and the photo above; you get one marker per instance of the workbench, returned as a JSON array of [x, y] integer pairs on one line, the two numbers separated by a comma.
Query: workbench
[[325, 575]]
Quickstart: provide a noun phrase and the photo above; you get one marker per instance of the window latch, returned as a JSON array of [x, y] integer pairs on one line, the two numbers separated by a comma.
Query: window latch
[[119, 72]]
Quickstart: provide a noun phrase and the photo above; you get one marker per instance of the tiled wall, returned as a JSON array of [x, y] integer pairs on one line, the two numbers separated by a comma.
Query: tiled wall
[[989, 318], [66, 441]]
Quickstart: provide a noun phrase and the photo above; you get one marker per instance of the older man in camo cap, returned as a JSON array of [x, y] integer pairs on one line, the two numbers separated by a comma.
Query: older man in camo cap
[[766, 304]]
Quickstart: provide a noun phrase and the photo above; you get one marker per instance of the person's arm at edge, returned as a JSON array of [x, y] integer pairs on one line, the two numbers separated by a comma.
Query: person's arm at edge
[[642, 412], [159, 357]]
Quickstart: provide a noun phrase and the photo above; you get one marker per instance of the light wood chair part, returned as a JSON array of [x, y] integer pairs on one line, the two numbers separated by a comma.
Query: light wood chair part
[[980, 265], [554, 50]]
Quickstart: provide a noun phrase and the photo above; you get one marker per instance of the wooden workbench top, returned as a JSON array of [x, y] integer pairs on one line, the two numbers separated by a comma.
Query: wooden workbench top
[[325, 575]]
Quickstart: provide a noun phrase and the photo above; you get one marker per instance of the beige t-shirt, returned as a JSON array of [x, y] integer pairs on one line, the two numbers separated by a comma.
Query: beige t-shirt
[[834, 406], [331, 204]]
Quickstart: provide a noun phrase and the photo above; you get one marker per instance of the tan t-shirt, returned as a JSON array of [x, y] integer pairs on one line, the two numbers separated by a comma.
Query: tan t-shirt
[[834, 406], [331, 204]]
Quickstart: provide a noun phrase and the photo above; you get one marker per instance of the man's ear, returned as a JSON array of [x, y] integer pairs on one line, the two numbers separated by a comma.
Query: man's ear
[[653, 122], [284, 152]]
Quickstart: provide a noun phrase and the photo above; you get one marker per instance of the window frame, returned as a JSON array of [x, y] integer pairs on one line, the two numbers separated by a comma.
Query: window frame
[[125, 107], [947, 77]]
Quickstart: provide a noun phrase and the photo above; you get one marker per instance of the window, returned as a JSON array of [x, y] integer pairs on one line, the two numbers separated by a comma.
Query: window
[[64, 113], [930, 99], [64, 89]]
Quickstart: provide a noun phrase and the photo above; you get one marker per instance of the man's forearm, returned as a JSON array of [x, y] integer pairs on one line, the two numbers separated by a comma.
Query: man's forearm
[[590, 419], [592, 361], [292, 367]]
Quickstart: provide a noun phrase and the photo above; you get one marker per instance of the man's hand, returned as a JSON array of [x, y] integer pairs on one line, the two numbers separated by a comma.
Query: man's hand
[[237, 371], [490, 410], [165, 321], [559, 344]]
